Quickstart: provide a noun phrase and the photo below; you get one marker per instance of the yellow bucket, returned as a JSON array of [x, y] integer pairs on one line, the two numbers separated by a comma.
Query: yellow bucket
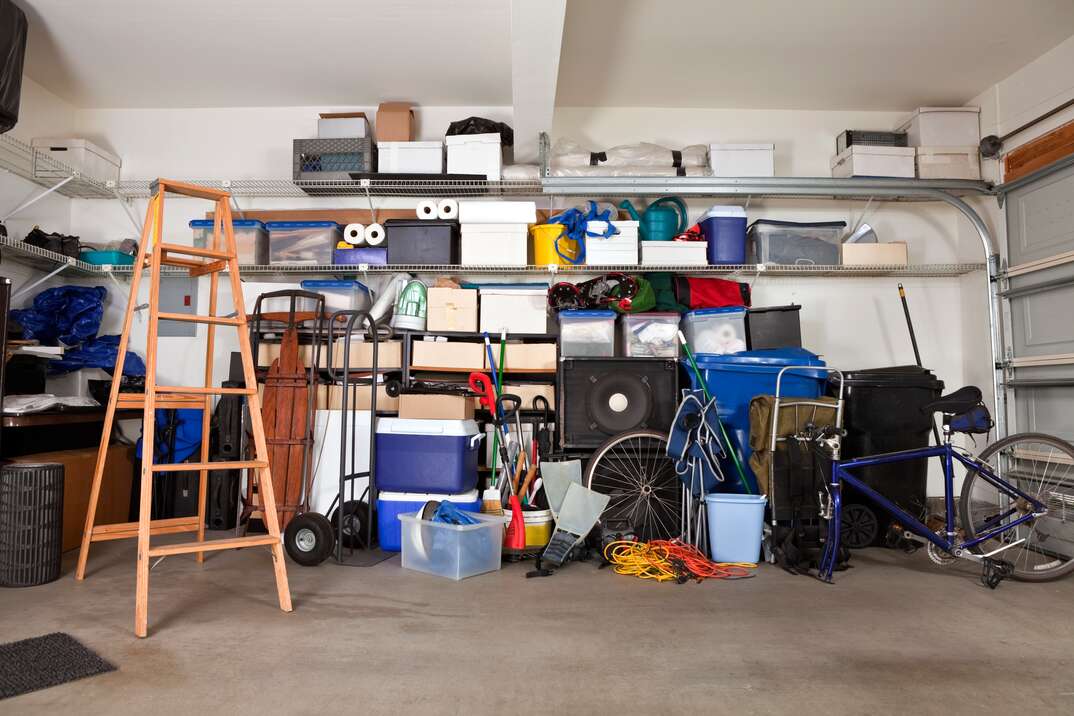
[[539, 525], [544, 245]]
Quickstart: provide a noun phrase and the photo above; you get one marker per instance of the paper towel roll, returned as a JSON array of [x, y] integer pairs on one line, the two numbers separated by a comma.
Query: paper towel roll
[[447, 209], [427, 209], [354, 234], [374, 235]]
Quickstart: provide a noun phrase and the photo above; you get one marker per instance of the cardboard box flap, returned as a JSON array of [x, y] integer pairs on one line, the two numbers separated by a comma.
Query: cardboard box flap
[[395, 122], [342, 115]]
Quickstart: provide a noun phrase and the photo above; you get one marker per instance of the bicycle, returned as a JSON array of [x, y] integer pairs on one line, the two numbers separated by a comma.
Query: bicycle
[[1028, 518]]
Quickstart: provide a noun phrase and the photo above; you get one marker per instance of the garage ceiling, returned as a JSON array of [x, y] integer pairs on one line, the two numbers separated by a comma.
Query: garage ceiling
[[818, 54]]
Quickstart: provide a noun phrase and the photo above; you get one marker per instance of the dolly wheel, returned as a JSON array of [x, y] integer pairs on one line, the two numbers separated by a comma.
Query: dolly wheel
[[309, 539], [861, 527]]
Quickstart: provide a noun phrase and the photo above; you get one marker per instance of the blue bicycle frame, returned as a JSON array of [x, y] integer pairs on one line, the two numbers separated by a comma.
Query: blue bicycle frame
[[994, 526]]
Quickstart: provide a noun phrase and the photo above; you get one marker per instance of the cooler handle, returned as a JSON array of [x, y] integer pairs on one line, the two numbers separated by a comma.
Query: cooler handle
[[474, 440]]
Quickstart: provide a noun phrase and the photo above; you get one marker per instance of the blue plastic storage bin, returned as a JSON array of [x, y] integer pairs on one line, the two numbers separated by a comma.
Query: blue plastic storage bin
[[735, 379], [372, 255], [438, 456], [724, 228], [392, 504], [735, 524], [107, 258]]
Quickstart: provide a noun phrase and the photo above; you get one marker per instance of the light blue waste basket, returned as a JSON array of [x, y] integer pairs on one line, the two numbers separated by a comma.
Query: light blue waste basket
[[735, 526]]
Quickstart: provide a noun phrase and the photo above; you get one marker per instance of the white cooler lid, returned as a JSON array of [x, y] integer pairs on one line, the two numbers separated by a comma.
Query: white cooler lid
[[431, 428], [471, 496]]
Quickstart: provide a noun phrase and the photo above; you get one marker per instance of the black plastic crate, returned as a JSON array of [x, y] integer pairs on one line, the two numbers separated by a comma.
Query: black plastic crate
[[774, 327], [870, 137], [417, 241], [332, 159]]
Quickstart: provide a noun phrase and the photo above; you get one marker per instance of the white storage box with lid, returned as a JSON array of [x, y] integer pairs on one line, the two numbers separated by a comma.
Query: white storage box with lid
[[303, 243], [392, 504], [452, 551], [948, 162], [82, 155], [251, 239], [410, 157], [475, 154], [674, 253], [341, 294], [480, 211], [866, 160], [716, 331], [943, 127], [742, 160], [494, 245], [649, 335], [617, 249], [514, 309], [792, 243], [344, 125], [587, 334]]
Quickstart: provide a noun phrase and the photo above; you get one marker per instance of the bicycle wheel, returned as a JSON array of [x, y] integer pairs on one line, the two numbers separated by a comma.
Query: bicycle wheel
[[634, 470], [1041, 466]]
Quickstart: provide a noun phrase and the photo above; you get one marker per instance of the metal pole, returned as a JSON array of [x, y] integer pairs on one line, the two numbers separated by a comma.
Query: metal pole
[[35, 199]]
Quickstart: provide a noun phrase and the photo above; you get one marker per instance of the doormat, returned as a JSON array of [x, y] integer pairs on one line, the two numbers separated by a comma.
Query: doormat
[[44, 661]]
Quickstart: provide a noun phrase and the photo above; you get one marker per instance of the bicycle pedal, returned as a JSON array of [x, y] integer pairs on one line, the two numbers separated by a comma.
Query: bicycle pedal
[[994, 571]]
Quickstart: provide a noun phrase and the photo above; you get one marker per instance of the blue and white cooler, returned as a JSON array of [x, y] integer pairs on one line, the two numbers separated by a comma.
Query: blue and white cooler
[[427, 456], [392, 504]]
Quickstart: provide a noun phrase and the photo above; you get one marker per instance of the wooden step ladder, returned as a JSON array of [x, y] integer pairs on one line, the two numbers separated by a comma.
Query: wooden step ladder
[[153, 253]]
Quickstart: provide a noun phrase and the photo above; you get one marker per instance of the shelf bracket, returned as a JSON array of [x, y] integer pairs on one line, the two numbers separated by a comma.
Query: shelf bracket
[[36, 198], [125, 203], [34, 284]]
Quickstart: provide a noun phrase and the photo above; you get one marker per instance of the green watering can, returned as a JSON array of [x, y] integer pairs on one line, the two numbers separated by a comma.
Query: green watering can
[[659, 223]]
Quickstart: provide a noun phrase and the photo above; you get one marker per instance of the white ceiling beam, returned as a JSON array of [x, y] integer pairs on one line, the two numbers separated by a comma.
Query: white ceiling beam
[[536, 36]]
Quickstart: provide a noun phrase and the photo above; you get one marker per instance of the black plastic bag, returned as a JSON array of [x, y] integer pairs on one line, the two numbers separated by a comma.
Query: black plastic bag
[[480, 125], [12, 51], [59, 243]]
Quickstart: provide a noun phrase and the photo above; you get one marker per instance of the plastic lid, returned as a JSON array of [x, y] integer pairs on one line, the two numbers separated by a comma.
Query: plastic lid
[[715, 311], [903, 376], [770, 357], [313, 284], [731, 497], [520, 290], [801, 224], [720, 210], [410, 145], [585, 313], [769, 147], [471, 496], [489, 138], [237, 223], [428, 428], [765, 309], [303, 225]]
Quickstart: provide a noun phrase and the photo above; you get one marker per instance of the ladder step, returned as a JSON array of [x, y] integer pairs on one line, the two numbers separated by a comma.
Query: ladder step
[[192, 318], [126, 530], [205, 391], [192, 466], [194, 251], [213, 545], [136, 401]]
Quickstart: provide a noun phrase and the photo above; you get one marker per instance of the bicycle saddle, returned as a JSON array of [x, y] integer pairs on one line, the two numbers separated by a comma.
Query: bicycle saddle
[[960, 401]]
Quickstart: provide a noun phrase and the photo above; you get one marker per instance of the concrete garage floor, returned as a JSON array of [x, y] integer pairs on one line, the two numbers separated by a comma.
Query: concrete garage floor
[[895, 634]]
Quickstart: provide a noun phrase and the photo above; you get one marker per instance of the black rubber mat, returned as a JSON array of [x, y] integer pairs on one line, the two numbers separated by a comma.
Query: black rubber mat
[[44, 661]]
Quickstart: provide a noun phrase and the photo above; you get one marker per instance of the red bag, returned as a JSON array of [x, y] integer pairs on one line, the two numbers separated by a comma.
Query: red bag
[[711, 292]]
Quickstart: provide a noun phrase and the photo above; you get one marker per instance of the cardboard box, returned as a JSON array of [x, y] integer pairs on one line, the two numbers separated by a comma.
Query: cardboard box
[[450, 355], [889, 254], [268, 352], [395, 122], [526, 356], [436, 407], [527, 393], [114, 501], [342, 125], [330, 397], [389, 354], [452, 309]]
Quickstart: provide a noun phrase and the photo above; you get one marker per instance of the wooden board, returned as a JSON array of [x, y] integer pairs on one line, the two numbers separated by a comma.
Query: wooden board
[[1039, 153]]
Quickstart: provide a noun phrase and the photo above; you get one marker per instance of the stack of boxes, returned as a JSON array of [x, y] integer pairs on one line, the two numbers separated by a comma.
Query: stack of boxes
[[621, 248], [494, 233]]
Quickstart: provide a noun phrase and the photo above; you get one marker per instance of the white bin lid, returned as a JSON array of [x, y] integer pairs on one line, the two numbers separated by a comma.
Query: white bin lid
[[432, 428], [737, 147], [456, 139], [736, 212], [471, 496], [513, 291]]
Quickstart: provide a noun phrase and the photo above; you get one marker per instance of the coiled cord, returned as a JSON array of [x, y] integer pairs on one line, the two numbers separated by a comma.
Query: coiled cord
[[670, 560]]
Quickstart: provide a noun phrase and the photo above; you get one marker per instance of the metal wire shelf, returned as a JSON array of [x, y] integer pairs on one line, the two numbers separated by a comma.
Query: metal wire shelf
[[387, 187], [44, 170], [44, 259]]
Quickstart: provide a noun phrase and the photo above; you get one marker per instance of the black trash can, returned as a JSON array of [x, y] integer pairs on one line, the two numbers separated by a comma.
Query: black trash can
[[884, 413], [31, 523]]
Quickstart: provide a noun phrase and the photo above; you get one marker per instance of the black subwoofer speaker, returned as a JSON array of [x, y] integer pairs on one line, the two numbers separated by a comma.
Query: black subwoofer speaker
[[601, 397]]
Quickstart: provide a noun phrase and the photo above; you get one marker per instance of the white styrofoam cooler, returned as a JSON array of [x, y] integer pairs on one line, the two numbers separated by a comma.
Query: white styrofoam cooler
[[864, 160], [81, 155], [948, 162], [942, 127], [516, 310], [480, 211], [410, 157], [742, 160], [475, 154], [494, 244], [674, 253]]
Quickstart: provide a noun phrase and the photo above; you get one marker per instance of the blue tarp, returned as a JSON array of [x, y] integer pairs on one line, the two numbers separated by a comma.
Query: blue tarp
[[65, 315], [187, 435], [97, 353]]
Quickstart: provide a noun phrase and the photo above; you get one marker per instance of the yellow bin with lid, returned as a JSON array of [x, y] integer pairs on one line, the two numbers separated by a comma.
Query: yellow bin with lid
[[544, 245]]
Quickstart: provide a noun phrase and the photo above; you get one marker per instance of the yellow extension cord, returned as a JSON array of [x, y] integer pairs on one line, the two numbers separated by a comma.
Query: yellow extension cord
[[670, 561]]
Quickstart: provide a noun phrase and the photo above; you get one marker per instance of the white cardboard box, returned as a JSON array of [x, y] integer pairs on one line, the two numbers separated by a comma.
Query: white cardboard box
[[475, 154], [674, 253], [479, 211], [942, 127], [342, 125], [863, 160], [410, 157], [516, 310], [742, 160], [948, 162], [505, 246], [889, 254], [81, 155], [452, 309]]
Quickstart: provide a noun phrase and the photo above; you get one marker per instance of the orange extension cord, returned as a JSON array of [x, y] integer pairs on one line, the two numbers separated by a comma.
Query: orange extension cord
[[670, 560]]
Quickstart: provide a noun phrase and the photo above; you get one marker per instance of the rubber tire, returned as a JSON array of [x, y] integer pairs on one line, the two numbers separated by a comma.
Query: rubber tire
[[967, 488], [353, 509], [844, 536], [323, 536]]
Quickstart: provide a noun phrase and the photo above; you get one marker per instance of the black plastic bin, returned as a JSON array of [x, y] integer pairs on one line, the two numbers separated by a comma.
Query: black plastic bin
[[883, 413], [31, 523], [773, 327], [418, 241]]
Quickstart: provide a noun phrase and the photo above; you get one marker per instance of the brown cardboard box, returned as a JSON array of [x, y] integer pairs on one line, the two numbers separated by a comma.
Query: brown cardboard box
[[395, 122], [527, 393], [115, 498], [889, 254], [436, 407], [452, 309], [389, 354], [526, 356], [268, 352], [450, 355], [330, 397]]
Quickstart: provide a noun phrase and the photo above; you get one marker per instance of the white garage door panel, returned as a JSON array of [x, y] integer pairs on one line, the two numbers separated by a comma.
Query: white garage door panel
[[1040, 219]]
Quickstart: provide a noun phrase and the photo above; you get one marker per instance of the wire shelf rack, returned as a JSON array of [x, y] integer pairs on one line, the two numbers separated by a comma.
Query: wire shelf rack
[[44, 170], [387, 187], [43, 259]]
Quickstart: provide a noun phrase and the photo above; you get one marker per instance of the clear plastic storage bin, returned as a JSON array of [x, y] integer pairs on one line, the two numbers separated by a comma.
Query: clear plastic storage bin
[[587, 333], [650, 335], [452, 551], [303, 242], [340, 295], [792, 243], [251, 239], [716, 331]]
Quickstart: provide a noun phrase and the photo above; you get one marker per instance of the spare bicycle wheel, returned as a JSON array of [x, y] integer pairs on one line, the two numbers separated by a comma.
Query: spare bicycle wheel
[[1042, 467], [634, 470]]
